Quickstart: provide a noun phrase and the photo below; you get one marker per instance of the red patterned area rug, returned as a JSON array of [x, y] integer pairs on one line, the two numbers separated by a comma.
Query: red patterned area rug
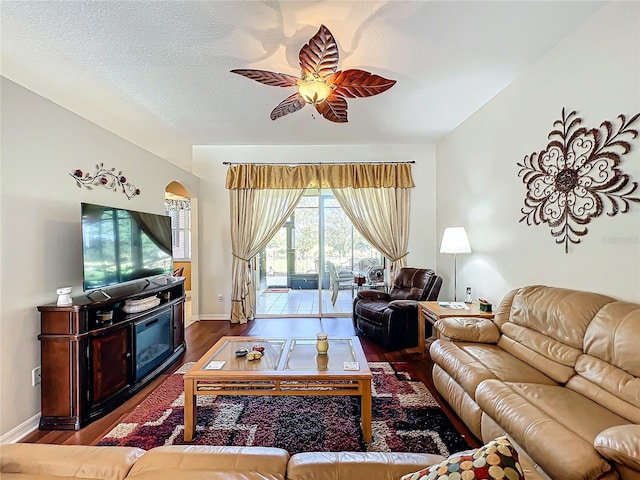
[[406, 418]]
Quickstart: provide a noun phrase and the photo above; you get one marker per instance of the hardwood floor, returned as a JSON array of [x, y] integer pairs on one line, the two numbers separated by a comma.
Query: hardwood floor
[[200, 336]]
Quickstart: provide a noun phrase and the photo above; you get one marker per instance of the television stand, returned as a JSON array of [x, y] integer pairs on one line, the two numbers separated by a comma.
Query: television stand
[[90, 366]]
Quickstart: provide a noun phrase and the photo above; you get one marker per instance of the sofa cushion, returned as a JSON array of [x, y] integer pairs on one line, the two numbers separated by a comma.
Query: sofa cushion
[[560, 313], [620, 444], [470, 363], [497, 459], [209, 462], [491, 430], [465, 406], [618, 402], [43, 461], [468, 329], [356, 465], [613, 336], [546, 326], [551, 367], [611, 363], [555, 425], [412, 283]]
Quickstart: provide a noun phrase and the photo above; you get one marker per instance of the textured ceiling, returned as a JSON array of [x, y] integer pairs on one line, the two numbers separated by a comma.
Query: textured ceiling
[[157, 72]]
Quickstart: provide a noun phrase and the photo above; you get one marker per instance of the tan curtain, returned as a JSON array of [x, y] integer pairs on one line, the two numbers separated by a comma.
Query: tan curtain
[[373, 195], [256, 216], [381, 215], [326, 175]]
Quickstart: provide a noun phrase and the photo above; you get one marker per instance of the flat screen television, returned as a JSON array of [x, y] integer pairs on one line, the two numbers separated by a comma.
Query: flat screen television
[[120, 246]]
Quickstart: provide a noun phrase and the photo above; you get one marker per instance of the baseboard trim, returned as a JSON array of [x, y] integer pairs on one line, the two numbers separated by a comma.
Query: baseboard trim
[[22, 430], [214, 316]]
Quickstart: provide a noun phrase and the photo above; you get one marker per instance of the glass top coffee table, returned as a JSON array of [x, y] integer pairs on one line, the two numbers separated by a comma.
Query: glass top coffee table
[[289, 366]]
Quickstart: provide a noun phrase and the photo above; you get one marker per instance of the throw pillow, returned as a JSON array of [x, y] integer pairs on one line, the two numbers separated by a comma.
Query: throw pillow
[[497, 459]]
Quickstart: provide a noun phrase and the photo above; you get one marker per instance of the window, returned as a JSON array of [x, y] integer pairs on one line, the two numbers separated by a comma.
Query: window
[[181, 232]]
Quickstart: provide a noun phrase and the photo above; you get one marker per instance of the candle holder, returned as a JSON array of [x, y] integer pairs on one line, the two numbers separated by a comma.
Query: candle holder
[[322, 343]]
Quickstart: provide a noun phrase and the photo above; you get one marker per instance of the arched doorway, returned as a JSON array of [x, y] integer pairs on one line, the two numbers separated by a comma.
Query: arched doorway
[[180, 207]]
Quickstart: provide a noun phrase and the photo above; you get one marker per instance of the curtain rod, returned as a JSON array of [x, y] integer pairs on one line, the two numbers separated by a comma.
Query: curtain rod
[[310, 163]]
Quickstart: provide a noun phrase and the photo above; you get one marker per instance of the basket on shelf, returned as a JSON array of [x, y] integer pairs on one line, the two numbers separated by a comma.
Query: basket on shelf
[[135, 306]]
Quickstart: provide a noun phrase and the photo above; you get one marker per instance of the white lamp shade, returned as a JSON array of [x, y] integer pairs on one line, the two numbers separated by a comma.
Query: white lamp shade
[[455, 240]]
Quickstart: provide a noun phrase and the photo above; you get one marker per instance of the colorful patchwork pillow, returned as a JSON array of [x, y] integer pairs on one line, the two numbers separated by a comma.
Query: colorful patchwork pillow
[[497, 459]]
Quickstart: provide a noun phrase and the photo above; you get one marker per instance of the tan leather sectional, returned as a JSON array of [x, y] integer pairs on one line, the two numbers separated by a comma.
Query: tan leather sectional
[[557, 371], [28, 461]]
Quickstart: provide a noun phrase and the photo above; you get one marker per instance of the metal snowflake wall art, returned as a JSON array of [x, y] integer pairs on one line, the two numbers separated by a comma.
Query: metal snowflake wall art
[[106, 177], [577, 177]]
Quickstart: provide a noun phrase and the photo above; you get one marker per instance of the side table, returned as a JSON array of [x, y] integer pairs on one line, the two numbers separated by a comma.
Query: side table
[[432, 312]]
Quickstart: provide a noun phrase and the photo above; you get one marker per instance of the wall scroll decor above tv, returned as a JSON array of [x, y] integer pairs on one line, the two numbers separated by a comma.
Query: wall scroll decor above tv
[[108, 178], [120, 246]]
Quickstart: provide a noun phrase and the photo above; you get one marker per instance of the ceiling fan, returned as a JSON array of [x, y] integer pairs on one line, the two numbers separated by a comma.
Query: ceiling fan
[[321, 83]]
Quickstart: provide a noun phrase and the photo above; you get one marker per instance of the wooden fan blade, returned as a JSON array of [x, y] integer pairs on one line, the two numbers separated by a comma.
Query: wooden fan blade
[[319, 57], [269, 78], [358, 83], [334, 108], [291, 104]]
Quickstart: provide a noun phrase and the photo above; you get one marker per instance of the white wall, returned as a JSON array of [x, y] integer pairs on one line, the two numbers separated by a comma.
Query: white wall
[[215, 245], [40, 225], [594, 71]]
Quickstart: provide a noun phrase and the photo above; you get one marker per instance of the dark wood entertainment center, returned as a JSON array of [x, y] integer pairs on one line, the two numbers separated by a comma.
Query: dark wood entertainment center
[[92, 363]]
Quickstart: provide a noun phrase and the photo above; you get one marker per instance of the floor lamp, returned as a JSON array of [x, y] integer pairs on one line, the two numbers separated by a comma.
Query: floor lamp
[[455, 240]]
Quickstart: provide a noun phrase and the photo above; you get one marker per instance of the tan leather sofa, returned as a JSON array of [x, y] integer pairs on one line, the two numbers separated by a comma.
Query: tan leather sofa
[[28, 461], [558, 372]]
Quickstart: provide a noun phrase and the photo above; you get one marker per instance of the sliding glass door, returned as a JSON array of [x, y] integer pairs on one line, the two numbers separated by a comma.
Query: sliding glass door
[[308, 268]]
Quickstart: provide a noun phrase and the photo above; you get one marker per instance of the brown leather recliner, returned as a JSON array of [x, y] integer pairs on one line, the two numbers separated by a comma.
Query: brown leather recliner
[[392, 318]]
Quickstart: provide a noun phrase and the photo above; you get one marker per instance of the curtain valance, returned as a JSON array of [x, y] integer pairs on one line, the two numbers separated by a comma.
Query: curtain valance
[[325, 175]]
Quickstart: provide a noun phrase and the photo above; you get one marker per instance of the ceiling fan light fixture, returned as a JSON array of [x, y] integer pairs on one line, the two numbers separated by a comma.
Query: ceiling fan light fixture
[[314, 91], [320, 84]]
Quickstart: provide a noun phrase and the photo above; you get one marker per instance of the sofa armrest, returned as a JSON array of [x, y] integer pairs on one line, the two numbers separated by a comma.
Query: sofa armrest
[[369, 465], [620, 444], [35, 460], [469, 329], [172, 462], [403, 304], [373, 295]]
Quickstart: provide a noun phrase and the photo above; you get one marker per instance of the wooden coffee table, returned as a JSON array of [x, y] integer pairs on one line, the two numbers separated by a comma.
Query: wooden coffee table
[[289, 366]]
